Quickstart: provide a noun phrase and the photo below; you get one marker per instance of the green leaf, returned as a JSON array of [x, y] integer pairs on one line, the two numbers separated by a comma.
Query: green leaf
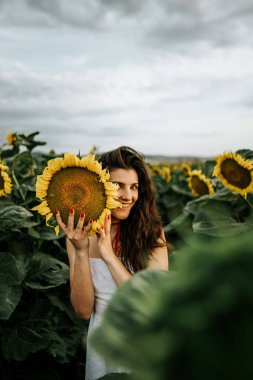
[[194, 323], [9, 299], [214, 218], [57, 348], [19, 341], [13, 217], [11, 276], [46, 272]]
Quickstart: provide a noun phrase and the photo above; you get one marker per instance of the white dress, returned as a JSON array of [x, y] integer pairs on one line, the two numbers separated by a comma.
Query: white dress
[[105, 287]]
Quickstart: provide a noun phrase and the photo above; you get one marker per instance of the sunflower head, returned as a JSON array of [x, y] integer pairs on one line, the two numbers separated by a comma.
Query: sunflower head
[[200, 184], [71, 182], [235, 172], [5, 181], [166, 173], [186, 168], [10, 137]]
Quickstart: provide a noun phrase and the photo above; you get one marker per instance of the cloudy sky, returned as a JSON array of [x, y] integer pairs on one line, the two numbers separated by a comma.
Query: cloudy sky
[[171, 77]]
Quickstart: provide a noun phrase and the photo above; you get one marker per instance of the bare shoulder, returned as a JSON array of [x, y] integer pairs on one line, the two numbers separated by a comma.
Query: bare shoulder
[[159, 257]]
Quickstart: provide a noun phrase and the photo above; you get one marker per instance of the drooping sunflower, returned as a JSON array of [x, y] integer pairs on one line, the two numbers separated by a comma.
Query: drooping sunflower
[[235, 172], [10, 137], [5, 181], [200, 184], [71, 182]]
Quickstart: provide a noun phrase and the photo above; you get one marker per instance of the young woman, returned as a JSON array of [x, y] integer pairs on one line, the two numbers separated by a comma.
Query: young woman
[[131, 240]]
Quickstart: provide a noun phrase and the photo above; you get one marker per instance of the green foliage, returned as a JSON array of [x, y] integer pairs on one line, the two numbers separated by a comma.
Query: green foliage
[[37, 321], [192, 323], [42, 338]]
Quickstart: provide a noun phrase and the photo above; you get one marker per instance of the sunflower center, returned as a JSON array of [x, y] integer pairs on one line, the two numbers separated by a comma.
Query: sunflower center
[[1, 182], [200, 187], [78, 188], [235, 174]]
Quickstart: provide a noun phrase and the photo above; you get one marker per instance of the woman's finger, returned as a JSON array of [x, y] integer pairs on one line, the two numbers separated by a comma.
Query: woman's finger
[[108, 225], [89, 226], [71, 219], [102, 233], [62, 226], [80, 223]]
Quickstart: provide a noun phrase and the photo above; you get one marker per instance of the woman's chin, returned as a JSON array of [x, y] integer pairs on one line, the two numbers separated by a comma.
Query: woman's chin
[[120, 214]]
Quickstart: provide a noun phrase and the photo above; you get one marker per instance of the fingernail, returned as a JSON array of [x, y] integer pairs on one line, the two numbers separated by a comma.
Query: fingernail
[[91, 221], [71, 210], [82, 214], [57, 212], [108, 217]]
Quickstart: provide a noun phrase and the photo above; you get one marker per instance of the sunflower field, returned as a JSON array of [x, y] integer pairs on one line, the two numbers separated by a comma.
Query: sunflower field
[[41, 337]]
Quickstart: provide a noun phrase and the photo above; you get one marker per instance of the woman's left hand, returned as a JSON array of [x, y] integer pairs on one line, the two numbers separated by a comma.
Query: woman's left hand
[[104, 241]]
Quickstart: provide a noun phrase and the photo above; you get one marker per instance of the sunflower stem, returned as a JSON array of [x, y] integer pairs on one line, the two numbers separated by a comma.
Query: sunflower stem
[[18, 186]]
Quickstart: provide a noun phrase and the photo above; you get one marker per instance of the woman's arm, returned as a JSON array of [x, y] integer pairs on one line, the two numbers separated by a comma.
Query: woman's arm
[[77, 244], [81, 286]]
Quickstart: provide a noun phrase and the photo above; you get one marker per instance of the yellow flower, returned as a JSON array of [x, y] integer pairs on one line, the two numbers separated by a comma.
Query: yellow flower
[[235, 172], [5, 181], [79, 183], [200, 184], [156, 170], [186, 168], [166, 173], [175, 167], [10, 137]]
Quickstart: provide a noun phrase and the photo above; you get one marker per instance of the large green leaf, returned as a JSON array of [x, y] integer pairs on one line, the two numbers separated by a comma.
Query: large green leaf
[[46, 272], [11, 277], [218, 215], [195, 323], [21, 340], [14, 217]]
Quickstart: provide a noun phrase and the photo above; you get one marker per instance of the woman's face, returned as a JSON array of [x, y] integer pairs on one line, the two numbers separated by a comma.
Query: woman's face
[[128, 183]]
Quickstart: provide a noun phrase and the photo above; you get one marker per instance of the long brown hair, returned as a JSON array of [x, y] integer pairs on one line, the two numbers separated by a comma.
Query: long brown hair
[[141, 232]]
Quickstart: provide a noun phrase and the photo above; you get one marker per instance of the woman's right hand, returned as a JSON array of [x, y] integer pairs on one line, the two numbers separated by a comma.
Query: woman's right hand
[[79, 235]]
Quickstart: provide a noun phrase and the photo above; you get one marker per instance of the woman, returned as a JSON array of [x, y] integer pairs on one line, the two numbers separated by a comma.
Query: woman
[[132, 239]]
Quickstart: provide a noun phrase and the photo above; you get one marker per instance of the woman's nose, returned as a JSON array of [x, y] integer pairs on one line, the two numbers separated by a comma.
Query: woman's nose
[[126, 193]]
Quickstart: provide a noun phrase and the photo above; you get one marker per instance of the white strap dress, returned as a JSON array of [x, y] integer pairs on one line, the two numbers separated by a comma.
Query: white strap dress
[[105, 287]]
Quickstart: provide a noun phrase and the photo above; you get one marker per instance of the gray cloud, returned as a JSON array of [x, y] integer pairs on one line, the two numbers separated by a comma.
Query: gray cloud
[[151, 73], [219, 23]]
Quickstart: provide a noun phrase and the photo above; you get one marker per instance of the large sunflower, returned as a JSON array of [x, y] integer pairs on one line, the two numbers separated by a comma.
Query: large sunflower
[[235, 172], [200, 184], [5, 181], [79, 183]]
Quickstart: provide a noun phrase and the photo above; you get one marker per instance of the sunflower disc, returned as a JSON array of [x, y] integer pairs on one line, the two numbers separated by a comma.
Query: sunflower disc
[[78, 188]]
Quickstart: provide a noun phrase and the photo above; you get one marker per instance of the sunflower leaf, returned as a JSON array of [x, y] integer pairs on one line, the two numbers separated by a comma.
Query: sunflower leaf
[[19, 341], [14, 217], [46, 272], [11, 276], [214, 218]]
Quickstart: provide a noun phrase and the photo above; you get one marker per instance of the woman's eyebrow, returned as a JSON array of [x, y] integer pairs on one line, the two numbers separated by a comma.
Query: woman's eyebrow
[[122, 183]]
